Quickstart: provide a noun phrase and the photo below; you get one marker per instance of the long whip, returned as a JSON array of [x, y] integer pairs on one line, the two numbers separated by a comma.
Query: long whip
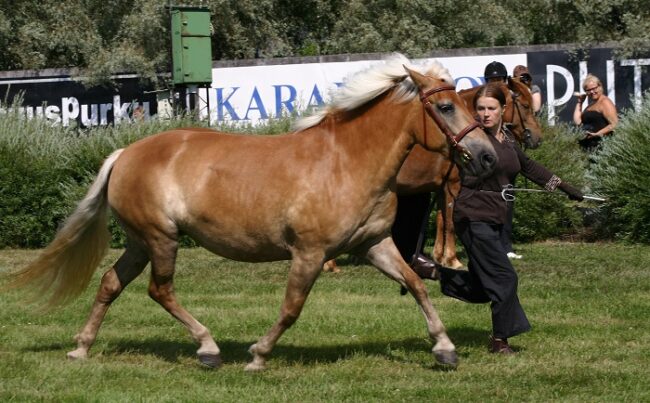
[[507, 194]]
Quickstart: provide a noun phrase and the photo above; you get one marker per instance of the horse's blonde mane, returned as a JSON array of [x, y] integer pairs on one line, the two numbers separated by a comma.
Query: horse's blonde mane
[[368, 84]]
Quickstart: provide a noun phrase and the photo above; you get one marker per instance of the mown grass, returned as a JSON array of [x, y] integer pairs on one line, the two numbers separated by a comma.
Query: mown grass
[[357, 339]]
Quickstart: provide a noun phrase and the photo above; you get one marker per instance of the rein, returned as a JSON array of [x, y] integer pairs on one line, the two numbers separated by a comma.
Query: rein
[[453, 140]]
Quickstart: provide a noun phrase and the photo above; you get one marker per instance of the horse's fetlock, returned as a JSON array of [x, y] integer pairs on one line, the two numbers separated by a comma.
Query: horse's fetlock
[[259, 349], [201, 335], [83, 339]]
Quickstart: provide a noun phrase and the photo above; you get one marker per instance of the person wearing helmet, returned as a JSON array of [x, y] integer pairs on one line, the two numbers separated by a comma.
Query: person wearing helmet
[[495, 71]]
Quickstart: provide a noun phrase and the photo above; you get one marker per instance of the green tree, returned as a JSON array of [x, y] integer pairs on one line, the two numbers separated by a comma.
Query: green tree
[[105, 37], [626, 22]]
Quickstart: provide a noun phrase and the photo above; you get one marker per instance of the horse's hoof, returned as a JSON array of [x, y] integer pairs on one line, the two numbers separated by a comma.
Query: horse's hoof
[[447, 358], [77, 354], [210, 360]]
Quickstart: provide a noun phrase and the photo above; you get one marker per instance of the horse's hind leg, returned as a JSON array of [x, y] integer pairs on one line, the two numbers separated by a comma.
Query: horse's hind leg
[[305, 269], [161, 289], [387, 258], [128, 267]]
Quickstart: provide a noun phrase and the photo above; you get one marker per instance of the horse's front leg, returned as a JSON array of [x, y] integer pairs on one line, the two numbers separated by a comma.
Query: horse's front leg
[[387, 258], [444, 250], [305, 268]]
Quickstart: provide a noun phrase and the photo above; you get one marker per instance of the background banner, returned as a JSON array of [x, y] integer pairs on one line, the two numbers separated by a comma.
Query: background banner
[[248, 94], [65, 101], [259, 89]]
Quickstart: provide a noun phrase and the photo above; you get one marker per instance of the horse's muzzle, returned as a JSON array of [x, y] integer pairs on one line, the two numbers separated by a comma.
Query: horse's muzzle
[[530, 141]]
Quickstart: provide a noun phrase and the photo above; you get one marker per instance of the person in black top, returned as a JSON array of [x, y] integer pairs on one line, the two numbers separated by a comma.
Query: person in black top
[[479, 215], [599, 118]]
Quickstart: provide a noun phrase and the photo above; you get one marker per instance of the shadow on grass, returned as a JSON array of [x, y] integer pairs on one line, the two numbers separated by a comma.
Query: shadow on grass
[[236, 351]]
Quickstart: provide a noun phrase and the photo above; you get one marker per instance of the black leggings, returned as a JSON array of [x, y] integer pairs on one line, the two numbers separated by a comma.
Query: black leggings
[[411, 211]]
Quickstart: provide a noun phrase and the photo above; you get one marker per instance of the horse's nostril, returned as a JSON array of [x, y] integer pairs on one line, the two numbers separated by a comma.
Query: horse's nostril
[[488, 160]]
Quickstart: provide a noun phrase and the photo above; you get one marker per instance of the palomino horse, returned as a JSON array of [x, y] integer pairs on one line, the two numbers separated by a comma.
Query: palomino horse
[[260, 198], [424, 172]]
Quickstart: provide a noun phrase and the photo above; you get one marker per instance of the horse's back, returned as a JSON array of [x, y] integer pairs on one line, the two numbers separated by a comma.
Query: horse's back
[[195, 181]]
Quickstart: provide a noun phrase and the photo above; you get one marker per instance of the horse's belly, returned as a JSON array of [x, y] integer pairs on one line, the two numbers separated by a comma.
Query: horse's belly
[[241, 247]]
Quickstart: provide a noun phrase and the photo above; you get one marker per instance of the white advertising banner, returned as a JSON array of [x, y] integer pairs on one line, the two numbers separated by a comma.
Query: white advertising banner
[[253, 93], [248, 94]]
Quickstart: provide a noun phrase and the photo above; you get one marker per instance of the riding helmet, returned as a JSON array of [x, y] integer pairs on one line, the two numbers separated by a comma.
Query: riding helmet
[[495, 70]]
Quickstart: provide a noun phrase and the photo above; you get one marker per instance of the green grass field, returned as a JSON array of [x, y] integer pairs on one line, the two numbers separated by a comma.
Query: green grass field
[[357, 339]]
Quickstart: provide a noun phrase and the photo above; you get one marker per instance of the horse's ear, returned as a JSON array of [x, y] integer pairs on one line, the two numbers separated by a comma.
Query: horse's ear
[[418, 79], [512, 85]]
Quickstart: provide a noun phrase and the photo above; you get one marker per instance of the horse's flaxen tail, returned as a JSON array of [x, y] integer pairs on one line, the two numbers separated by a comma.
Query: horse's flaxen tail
[[66, 265]]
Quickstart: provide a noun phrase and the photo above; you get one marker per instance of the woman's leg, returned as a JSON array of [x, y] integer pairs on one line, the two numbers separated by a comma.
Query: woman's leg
[[491, 277]]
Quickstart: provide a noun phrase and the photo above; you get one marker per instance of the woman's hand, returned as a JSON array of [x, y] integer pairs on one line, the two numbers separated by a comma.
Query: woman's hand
[[573, 193], [580, 97]]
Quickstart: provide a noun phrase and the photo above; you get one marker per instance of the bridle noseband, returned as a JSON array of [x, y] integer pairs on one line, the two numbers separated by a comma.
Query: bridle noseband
[[454, 140]]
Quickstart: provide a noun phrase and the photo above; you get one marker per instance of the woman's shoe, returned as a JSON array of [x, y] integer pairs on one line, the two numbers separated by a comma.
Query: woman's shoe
[[425, 267], [500, 346]]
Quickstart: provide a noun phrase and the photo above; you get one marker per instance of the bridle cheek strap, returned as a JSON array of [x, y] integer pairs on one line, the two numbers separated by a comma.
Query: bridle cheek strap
[[517, 108], [453, 140]]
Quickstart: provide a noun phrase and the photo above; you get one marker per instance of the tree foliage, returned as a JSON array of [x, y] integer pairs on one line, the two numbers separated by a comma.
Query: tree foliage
[[110, 36]]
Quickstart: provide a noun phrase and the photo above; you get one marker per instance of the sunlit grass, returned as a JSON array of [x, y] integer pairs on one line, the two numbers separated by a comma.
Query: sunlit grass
[[357, 340]]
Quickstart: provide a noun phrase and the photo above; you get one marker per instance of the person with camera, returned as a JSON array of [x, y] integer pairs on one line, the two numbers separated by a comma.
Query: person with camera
[[521, 72]]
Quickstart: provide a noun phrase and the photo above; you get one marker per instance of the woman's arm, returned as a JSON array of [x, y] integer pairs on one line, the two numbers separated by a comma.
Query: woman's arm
[[537, 101], [539, 174], [577, 112]]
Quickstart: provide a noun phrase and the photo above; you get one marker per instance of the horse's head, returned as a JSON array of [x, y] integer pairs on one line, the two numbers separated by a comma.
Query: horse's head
[[445, 117], [519, 115]]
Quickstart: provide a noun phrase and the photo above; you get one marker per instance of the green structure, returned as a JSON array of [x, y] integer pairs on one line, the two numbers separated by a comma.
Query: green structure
[[191, 50]]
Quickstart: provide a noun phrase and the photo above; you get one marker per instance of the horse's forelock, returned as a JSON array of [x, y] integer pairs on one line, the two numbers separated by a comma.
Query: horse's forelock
[[368, 84]]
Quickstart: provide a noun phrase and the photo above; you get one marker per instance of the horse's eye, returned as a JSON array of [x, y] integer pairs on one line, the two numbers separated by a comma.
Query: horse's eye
[[446, 108]]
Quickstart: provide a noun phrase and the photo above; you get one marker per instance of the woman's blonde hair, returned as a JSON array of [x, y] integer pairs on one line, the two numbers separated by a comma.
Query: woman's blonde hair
[[591, 78]]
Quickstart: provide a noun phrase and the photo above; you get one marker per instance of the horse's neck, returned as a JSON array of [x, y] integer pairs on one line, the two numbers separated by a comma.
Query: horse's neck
[[468, 97], [376, 140]]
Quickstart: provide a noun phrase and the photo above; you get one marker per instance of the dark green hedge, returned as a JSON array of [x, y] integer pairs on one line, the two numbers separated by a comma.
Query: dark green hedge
[[621, 172], [541, 216], [45, 171]]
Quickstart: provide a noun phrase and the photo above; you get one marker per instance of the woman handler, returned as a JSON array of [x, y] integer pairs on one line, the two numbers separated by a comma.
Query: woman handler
[[479, 215]]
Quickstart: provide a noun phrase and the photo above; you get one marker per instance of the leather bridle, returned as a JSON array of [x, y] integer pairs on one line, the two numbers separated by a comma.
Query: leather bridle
[[454, 140], [526, 133]]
